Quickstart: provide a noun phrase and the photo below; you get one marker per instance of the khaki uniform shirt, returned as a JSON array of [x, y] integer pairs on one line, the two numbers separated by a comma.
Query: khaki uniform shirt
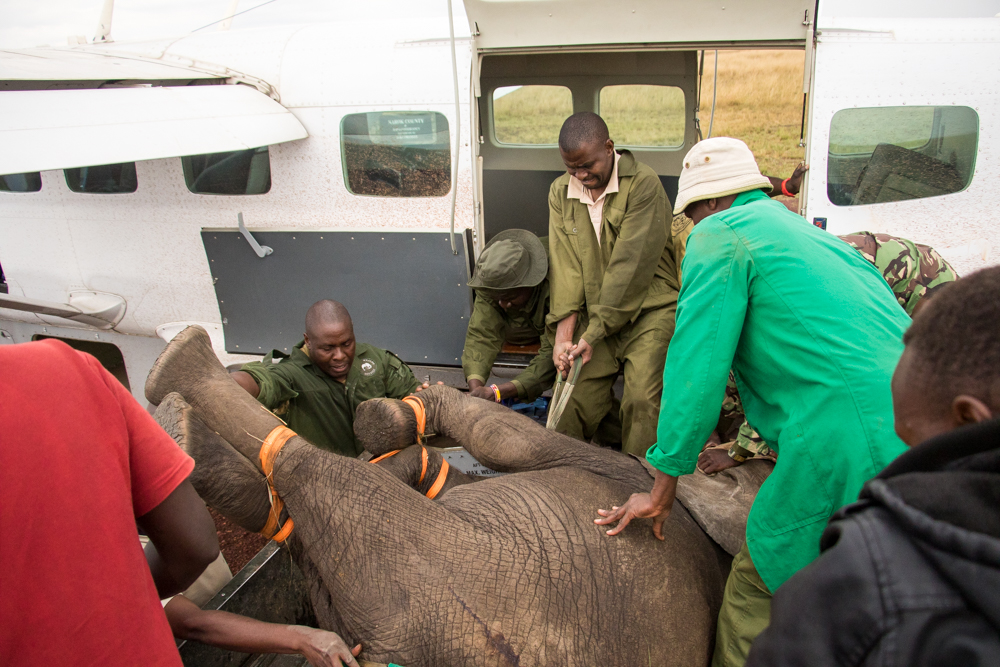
[[319, 408], [631, 268], [491, 326]]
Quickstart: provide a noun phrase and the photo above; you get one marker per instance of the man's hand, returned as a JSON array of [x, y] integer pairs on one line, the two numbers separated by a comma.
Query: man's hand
[[563, 344], [582, 350], [655, 506], [425, 385], [795, 180], [325, 649], [560, 355], [483, 392]]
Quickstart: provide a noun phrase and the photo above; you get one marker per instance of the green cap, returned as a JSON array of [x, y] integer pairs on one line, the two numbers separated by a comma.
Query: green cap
[[513, 258]]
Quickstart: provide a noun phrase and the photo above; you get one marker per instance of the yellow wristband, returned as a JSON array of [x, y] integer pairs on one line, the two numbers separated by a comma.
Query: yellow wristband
[[496, 392]]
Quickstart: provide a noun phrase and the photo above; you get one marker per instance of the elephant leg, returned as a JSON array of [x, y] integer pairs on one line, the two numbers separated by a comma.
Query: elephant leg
[[410, 467], [189, 367], [495, 435], [224, 478]]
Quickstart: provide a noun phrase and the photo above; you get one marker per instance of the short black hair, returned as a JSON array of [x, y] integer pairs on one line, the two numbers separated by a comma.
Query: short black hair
[[585, 127], [326, 311], [955, 339]]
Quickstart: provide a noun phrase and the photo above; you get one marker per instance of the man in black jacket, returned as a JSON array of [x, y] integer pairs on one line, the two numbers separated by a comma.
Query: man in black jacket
[[910, 574]]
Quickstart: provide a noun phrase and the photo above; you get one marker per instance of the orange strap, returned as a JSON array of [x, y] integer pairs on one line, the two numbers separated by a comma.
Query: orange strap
[[418, 409], [273, 443], [385, 456], [439, 482]]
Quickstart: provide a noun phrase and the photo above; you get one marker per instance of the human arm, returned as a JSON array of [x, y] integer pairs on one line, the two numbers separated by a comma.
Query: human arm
[[246, 381], [540, 373], [567, 295], [483, 341], [793, 184], [398, 378], [641, 239], [563, 343], [272, 387], [247, 635], [655, 505], [182, 540]]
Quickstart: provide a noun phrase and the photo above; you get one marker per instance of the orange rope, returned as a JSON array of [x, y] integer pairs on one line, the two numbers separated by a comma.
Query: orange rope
[[273, 443], [423, 464], [418, 409], [385, 456], [439, 482]]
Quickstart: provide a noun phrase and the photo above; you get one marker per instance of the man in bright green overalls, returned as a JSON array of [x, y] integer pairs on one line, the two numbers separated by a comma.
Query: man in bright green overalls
[[812, 333]]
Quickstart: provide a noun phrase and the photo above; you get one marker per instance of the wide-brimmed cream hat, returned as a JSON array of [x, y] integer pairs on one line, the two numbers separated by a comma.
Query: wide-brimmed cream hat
[[717, 167]]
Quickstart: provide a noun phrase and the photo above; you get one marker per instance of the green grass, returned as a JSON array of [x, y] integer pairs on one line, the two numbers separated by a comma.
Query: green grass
[[759, 101]]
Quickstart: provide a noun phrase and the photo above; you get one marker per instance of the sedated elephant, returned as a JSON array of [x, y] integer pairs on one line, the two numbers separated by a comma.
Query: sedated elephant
[[506, 571]]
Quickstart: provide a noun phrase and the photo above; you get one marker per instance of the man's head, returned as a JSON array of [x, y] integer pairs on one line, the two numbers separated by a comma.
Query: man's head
[[587, 150], [513, 263], [949, 374], [714, 172], [330, 338]]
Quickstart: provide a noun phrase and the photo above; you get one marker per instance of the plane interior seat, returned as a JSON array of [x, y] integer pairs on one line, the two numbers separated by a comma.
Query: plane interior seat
[[894, 173]]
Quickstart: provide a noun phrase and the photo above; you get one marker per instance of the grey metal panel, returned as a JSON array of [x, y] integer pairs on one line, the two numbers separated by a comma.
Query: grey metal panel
[[405, 290]]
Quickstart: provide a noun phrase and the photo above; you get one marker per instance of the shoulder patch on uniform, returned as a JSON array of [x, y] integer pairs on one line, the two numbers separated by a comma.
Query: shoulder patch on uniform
[[368, 366]]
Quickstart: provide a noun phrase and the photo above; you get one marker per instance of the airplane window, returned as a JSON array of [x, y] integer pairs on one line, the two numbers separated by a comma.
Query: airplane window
[[245, 172], [886, 154], [30, 182], [530, 115], [396, 153], [641, 115], [103, 179]]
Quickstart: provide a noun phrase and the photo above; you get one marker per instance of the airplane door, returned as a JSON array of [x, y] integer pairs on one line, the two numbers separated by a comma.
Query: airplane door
[[902, 136], [406, 291]]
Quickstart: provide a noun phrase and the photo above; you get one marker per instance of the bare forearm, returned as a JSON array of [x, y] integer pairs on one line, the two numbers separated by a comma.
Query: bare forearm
[[565, 329], [238, 633]]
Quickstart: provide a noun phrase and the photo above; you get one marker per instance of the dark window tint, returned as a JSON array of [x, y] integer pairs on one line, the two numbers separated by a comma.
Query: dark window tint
[[887, 154], [109, 355], [246, 172], [30, 182], [396, 153], [103, 179]]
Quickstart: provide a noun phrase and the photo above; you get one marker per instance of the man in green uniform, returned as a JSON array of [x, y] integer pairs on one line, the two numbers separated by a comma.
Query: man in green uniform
[[913, 272], [613, 281], [812, 333], [512, 300], [318, 388]]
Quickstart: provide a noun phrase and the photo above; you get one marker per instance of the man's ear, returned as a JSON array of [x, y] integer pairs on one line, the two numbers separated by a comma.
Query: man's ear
[[609, 144], [967, 409]]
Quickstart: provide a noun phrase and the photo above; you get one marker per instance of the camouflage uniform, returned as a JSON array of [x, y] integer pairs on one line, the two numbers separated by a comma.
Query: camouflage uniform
[[913, 271]]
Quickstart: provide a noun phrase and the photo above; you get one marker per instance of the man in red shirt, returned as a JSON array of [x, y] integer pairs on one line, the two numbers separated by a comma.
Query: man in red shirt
[[82, 463]]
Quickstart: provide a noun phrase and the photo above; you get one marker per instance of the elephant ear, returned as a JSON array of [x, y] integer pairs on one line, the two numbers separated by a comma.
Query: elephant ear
[[720, 503]]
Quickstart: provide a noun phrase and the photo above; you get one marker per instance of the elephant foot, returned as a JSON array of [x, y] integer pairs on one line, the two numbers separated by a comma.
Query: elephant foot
[[384, 425]]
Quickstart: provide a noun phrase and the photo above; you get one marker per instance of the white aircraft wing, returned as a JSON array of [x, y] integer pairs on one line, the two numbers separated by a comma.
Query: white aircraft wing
[[61, 129]]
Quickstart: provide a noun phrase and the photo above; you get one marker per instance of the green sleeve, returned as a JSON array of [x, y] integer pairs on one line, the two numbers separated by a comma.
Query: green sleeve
[[275, 388], [566, 292], [710, 315], [398, 378], [641, 240], [483, 340], [540, 373]]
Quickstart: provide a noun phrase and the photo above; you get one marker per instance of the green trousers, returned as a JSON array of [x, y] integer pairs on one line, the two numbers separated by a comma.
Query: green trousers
[[639, 351], [745, 612]]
